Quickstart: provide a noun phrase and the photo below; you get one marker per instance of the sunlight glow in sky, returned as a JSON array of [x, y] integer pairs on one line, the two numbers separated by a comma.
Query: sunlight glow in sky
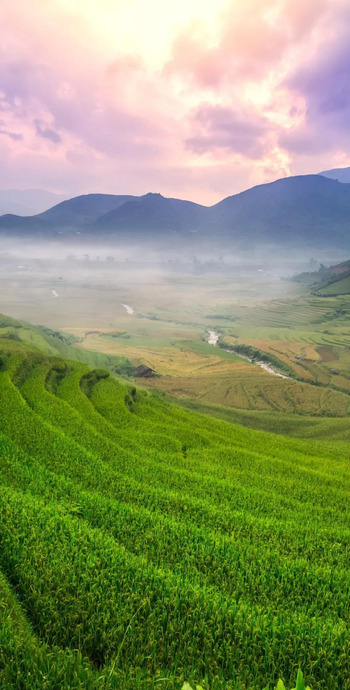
[[193, 98]]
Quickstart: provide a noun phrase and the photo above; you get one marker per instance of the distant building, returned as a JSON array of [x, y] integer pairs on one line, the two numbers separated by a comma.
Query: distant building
[[144, 372]]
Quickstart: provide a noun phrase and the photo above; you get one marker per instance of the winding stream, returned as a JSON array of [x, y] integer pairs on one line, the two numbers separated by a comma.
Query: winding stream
[[128, 309], [213, 340]]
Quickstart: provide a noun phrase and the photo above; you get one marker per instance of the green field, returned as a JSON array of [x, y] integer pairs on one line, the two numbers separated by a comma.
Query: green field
[[143, 545]]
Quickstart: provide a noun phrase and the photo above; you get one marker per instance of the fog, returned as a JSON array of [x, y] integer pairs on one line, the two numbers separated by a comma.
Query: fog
[[184, 258], [84, 285]]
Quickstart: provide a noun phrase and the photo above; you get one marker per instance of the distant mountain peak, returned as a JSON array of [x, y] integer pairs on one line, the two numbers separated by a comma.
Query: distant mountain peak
[[26, 202], [340, 174]]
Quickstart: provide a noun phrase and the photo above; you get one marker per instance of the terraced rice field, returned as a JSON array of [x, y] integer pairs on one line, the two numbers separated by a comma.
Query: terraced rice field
[[310, 362], [171, 319], [287, 313], [191, 369], [248, 387], [143, 545], [200, 371]]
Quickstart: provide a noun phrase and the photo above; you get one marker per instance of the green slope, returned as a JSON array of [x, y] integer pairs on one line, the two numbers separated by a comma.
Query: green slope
[[328, 281], [55, 343], [341, 286], [293, 425], [143, 545]]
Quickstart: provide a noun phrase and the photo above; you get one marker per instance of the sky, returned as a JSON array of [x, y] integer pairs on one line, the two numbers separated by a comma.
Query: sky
[[197, 99]]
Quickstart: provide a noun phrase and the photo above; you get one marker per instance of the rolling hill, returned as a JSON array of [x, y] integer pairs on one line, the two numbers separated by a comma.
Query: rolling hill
[[306, 211], [331, 281], [54, 343], [143, 545]]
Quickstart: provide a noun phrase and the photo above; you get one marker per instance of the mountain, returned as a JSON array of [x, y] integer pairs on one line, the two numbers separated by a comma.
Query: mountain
[[154, 213], [82, 209], [108, 214], [67, 215], [340, 174], [308, 211], [25, 202]]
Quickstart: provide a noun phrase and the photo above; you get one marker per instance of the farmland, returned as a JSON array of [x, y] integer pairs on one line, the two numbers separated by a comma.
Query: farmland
[[145, 546], [167, 331]]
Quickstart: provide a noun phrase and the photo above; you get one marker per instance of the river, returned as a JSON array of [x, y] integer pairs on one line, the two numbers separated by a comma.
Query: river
[[128, 309], [213, 340]]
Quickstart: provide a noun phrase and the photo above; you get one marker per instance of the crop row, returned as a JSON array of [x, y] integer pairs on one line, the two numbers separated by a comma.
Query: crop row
[[160, 544]]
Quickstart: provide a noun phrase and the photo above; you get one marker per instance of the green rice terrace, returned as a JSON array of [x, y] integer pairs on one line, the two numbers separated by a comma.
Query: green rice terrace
[[143, 545]]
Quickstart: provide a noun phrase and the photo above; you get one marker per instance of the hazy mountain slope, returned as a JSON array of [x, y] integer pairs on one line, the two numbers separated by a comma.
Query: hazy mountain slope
[[73, 213], [83, 209], [309, 211], [26, 202], [335, 280], [341, 174], [154, 213], [330, 280]]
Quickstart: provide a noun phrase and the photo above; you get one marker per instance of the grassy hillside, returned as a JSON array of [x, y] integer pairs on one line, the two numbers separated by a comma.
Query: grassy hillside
[[143, 545], [341, 286], [289, 424], [328, 281], [56, 343]]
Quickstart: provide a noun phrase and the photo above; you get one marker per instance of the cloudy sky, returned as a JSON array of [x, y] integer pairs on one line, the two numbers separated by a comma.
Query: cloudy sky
[[192, 98]]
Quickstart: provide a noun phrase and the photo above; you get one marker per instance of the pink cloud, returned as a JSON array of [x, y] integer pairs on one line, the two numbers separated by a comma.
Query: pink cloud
[[250, 42], [217, 127], [262, 91], [323, 81]]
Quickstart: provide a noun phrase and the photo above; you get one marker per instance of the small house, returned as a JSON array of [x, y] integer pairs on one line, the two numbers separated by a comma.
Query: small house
[[144, 372]]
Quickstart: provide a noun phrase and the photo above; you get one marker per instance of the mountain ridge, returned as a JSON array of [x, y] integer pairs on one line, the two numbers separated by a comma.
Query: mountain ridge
[[340, 174], [306, 209], [25, 202]]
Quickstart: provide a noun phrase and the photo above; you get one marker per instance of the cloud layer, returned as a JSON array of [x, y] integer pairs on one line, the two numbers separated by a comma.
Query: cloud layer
[[200, 100]]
